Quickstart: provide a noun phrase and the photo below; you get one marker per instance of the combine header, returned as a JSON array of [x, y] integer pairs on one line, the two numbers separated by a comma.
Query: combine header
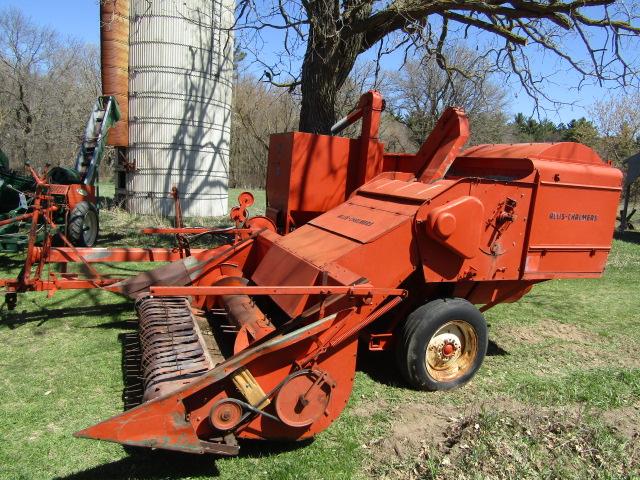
[[257, 339]]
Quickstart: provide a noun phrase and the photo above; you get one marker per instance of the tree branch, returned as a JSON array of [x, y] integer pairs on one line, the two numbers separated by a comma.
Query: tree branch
[[488, 27]]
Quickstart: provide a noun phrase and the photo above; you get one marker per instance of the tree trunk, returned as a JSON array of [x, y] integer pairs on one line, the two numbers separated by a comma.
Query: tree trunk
[[330, 57], [317, 110]]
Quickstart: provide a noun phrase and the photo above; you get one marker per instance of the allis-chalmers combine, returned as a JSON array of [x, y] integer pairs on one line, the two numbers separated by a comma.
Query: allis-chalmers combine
[[257, 339]]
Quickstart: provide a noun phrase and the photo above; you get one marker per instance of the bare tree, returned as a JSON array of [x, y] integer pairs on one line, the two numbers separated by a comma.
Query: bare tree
[[421, 91], [24, 51], [322, 40], [259, 110], [363, 77], [47, 87], [618, 120]]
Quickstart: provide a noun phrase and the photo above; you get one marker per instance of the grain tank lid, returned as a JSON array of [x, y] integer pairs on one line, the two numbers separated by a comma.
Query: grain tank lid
[[569, 152], [560, 163]]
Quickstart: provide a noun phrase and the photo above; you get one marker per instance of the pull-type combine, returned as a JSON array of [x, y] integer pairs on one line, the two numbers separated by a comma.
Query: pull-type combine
[[257, 339]]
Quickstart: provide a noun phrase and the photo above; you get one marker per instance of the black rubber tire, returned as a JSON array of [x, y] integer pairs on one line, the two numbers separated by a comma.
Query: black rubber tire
[[78, 220], [421, 325]]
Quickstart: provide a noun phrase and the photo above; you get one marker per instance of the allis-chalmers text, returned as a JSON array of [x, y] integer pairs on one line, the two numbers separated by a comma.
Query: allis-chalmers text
[[574, 217], [359, 221]]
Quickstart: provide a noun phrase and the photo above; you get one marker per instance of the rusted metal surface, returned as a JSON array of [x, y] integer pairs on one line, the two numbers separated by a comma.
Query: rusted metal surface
[[442, 146], [180, 272], [114, 58], [304, 398], [356, 291], [226, 416], [111, 255], [245, 314]]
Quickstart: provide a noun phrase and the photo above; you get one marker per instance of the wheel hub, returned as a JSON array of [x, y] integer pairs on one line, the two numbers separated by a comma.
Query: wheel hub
[[451, 350], [448, 350], [90, 228], [446, 346]]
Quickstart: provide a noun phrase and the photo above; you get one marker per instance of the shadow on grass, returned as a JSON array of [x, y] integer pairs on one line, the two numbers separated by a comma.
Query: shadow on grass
[[381, 366], [149, 464], [130, 324], [106, 239], [495, 350], [152, 465], [15, 319], [8, 262], [630, 236]]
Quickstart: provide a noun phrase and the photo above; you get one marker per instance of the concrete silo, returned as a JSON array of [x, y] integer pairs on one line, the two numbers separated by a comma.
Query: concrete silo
[[180, 87]]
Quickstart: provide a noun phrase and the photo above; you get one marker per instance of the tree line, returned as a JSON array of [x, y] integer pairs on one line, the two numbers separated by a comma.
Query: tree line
[[416, 96], [48, 84]]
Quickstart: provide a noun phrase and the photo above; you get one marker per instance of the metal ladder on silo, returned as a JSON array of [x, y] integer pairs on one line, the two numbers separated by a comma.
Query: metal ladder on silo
[[105, 113]]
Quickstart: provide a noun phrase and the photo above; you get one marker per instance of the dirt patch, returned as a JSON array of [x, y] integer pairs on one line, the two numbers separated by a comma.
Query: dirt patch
[[531, 443], [549, 329], [425, 437], [528, 444], [415, 426], [420, 424], [366, 408], [625, 421]]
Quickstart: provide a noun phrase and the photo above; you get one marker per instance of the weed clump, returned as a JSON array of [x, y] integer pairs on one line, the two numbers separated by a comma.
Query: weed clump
[[556, 444]]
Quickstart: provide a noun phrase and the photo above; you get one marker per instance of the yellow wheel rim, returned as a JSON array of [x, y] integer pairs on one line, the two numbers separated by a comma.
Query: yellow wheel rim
[[451, 351]]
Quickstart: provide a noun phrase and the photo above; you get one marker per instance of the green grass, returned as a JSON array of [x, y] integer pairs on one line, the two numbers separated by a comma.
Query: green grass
[[604, 388], [106, 189], [562, 374]]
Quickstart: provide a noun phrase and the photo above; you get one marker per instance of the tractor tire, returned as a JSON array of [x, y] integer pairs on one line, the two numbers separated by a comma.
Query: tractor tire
[[442, 344], [83, 225]]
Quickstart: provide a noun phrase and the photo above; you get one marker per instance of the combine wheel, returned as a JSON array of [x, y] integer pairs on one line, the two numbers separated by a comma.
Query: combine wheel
[[83, 225], [442, 344]]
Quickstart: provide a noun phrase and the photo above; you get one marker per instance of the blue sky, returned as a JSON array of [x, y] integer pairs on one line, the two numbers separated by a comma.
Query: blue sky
[[79, 18]]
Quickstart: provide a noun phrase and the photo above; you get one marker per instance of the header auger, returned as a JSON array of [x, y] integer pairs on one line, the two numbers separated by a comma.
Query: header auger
[[257, 339]]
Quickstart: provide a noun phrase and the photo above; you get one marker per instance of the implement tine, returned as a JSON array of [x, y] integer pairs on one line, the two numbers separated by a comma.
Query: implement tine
[[171, 352]]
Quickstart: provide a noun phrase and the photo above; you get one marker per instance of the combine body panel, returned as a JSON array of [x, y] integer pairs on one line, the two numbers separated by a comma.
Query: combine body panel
[[257, 339]]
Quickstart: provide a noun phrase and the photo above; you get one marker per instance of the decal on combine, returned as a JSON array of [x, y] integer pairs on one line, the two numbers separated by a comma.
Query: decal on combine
[[357, 220], [573, 217]]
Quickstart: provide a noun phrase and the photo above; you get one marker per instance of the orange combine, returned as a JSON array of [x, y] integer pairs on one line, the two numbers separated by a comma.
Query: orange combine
[[257, 339]]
